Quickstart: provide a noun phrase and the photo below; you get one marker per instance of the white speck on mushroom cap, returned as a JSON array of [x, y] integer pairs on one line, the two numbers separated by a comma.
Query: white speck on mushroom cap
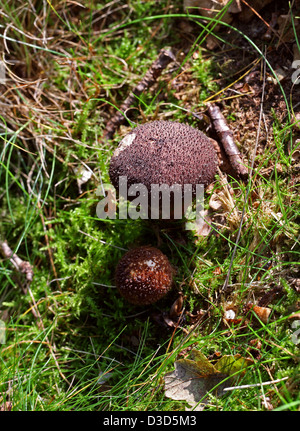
[[150, 263], [126, 142]]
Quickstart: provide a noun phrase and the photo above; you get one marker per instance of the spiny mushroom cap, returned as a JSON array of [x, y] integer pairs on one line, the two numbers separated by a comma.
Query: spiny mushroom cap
[[144, 275], [164, 152]]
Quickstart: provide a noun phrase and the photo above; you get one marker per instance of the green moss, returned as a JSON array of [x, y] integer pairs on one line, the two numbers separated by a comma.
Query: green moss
[[72, 328]]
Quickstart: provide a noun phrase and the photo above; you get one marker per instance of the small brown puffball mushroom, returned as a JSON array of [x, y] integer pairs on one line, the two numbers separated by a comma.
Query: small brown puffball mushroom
[[164, 153], [144, 275]]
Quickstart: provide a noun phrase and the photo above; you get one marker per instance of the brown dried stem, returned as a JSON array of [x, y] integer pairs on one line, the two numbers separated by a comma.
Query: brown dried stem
[[164, 58], [226, 138], [21, 266]]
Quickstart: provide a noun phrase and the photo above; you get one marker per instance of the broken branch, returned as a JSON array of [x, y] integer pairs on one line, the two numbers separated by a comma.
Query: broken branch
[[226, 137], [21, 265], [164, 58]]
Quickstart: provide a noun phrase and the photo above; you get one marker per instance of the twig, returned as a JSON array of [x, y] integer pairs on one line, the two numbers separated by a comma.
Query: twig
[[21, 266], [254, 385], [164, 58], [100, 240], [226, 137]]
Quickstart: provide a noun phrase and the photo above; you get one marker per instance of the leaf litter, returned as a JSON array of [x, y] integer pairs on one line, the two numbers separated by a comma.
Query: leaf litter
[[196, 377]]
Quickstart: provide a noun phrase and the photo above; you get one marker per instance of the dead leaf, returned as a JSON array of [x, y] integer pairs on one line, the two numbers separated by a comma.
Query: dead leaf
[[286, 29], [83, 176], [194, 378], [211, 42], [207, 8], [296, 120], [192, 381], [202, 225], [262, 313], [295, 283], [217, 271], [294, 149], [295, 316], [233, 365], [215, 203], [280, 74], [176, 308]]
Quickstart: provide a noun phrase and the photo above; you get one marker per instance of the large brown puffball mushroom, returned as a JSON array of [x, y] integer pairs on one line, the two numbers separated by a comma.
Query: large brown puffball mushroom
[[144, 275], [164, 152]]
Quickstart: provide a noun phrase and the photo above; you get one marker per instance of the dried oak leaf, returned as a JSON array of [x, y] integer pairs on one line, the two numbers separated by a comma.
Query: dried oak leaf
[[202, 225], [193, 379], [262, 313], [83, 175], [209, 8], [234, 366]]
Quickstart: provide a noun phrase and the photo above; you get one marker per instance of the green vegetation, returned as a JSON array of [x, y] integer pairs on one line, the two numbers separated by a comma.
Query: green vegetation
[[71, 341]]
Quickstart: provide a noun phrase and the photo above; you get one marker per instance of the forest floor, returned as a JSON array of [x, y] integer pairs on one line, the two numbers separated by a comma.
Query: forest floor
[[69, 341]]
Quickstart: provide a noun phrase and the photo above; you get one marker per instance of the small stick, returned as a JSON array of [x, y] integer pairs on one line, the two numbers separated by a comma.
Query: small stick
[[21, 265], [164, 58], [253, 385], [226, 137]]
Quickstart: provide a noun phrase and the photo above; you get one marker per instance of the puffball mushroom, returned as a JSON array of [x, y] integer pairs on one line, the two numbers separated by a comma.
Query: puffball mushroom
[[144, 275], [164, 153]]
